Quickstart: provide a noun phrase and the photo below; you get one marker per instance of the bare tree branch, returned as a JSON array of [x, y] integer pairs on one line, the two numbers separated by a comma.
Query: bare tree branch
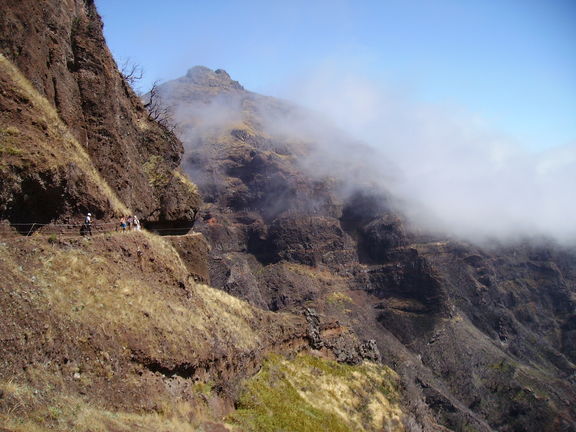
[[158, 111], [131, 72]]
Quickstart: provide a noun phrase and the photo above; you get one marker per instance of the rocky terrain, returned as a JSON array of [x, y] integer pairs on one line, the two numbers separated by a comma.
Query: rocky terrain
[[303, 301], [66, 101], [120, 331], [483, 338]]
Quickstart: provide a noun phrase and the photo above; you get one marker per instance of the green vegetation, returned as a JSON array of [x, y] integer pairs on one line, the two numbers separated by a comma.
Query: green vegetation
[[312, 394], [8, 140], [158, 175]]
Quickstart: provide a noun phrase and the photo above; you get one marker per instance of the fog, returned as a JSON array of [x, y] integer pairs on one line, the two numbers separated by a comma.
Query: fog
[[450, 172]]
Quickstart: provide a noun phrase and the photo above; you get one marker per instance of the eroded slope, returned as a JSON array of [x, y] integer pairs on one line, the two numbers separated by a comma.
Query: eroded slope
[[482, 338], [93, 323]]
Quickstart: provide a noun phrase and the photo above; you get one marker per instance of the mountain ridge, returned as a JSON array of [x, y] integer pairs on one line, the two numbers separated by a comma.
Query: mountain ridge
[[278, 224], [118, 330]]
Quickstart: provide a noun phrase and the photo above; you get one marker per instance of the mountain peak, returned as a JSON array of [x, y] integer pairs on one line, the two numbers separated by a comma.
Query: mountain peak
[[198, 72], [204, 76]]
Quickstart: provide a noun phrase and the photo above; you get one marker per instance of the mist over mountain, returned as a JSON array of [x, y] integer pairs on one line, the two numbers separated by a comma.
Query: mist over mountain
[[417, 219], [294, 269], [456, 173], [446, 170]]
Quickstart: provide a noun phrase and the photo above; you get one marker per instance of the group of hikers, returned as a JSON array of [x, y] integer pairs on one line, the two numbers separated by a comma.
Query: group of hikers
[[130, 223], [126, 223]]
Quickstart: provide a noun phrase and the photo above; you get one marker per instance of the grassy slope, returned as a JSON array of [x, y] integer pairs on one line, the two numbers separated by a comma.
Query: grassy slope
[[83, 320], [87, 326], [312, 394]]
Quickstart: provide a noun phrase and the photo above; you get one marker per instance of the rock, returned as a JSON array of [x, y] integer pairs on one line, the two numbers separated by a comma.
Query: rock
[[203, 76], [289, 236], [135, 156], [369, 351], [313, 332]]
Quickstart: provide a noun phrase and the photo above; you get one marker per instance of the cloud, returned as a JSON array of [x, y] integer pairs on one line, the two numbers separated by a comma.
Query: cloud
[[449, 170]]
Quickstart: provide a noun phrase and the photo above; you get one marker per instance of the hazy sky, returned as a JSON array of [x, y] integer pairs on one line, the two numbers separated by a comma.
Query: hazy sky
[[511, 63]]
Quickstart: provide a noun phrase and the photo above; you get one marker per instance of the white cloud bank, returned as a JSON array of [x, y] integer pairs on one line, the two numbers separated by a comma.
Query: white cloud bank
[[452, 173]]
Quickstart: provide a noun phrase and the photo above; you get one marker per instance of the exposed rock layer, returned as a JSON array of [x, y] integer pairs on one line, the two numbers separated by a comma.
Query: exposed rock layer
[[482, 338], [60, 49]]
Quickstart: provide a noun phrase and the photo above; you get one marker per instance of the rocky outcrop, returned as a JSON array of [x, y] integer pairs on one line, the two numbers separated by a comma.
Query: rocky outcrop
[[46, 173], [59, 48]]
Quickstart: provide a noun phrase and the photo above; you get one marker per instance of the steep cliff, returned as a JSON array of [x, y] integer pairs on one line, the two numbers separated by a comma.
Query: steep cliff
[[77, 103], [482, 338], [330, 309]]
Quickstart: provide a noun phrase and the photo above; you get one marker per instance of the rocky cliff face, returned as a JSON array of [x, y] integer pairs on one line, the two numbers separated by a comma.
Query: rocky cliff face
[[482, 338], [59, 49]]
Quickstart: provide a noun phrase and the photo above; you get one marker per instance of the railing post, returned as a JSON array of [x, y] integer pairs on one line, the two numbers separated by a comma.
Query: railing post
[[31, 228]]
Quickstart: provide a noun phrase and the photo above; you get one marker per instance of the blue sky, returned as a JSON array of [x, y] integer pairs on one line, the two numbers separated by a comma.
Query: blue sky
[[510, 62]]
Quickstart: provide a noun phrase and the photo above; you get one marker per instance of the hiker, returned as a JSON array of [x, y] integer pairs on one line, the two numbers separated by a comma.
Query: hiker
[[136, 223], [87, 227], [123, 223], [130, 221], [139, 254]]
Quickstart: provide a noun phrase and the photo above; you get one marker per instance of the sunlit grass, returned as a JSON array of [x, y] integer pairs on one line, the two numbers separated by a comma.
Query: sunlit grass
[[312, 394]]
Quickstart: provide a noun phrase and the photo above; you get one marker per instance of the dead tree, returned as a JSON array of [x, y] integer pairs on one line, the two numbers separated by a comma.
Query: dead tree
[[131, 72], [158, 111]]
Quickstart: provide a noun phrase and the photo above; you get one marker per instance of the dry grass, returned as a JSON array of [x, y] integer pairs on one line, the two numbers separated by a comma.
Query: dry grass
[[155, 300], [40, 410], [99, 305], [35, 147], [8, 141], [311, 394], [339, 299], [156, 171], [318, 273], [99, 288], [192, 188]]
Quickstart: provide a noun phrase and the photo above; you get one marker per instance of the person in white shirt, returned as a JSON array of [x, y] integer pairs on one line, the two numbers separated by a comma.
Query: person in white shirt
[[88, 224]]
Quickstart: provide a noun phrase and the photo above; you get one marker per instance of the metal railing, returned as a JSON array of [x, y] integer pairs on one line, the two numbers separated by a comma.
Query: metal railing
[[26, 229]]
